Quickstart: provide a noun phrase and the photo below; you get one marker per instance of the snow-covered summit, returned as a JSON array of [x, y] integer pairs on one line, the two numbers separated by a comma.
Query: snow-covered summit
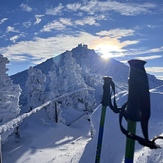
[[90, 62]]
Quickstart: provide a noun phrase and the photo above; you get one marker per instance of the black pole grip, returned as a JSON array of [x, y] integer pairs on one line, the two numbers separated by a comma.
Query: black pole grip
[[106, 90]]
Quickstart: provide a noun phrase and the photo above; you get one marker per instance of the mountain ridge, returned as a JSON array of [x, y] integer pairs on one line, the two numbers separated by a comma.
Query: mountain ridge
[[90, 61]]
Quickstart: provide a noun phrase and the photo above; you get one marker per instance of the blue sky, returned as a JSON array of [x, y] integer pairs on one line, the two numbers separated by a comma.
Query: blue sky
[[32, 31]]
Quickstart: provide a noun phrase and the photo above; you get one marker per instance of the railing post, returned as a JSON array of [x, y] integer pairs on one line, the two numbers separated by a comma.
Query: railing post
[[56, 112]]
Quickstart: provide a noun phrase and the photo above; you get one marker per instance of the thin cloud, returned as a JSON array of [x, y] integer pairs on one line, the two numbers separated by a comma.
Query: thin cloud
[[131, 9], [27, 24], [154, 69], [3, 20], [127, 9], [55, 11], [63, 23], [149, 57], [11, 29], [130, 42], [73, 6], [66, 21], [14, 38], [159, 77], [26, 7], [117, 33], [38, 19], [87, 20], [144, 51], [53, 25]]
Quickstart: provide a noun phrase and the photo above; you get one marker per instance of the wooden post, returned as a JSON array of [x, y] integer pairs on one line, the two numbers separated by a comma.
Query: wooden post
[[56, 112]]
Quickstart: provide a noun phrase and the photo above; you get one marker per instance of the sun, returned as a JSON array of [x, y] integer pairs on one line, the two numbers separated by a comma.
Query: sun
[[106, 56], [106, 50]]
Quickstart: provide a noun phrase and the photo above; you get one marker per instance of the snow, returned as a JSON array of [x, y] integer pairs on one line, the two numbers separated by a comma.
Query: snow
[[16, 121], [44, 141], [113, 148]]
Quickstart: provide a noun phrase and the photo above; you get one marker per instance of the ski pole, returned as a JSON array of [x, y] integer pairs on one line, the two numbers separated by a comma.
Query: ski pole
[[105, 103], [130, 143], [138, 93]]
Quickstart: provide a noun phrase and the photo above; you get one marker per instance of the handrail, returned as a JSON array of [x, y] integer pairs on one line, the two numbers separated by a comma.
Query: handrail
[[16, 121]]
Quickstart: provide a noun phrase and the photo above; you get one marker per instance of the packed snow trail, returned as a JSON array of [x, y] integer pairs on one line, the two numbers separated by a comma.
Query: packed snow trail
[[46, 142]]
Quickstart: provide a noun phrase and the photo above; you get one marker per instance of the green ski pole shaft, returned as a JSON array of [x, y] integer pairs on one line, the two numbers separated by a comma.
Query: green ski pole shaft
[[105, 103], [100, 135], [130, 143]]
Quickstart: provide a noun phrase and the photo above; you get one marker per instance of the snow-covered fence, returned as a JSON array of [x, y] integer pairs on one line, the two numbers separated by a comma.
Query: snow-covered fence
[[16, 121]]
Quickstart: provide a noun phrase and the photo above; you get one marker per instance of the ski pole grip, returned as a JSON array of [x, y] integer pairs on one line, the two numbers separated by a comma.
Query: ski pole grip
[[106, 90]]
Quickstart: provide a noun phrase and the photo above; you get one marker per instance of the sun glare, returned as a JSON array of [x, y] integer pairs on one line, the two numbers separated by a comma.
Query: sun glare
[[105, 50], [106, 56]]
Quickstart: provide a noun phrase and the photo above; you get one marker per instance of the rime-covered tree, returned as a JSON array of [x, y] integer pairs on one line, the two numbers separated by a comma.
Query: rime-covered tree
[[53, 87], [71, 79], [35, 85], [71, 71], [9, 96], [92, 79], [54, 109]]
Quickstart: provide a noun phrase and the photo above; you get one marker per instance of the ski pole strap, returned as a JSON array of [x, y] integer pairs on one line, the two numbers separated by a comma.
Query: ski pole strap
[[113, 106], [108, 90], [149, 143]]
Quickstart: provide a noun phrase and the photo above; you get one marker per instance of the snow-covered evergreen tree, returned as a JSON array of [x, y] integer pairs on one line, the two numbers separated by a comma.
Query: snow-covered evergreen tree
[[92, 79], [35, 87], [71, 71], [9, 97], [54, 109], [53, 87], [71, 79]]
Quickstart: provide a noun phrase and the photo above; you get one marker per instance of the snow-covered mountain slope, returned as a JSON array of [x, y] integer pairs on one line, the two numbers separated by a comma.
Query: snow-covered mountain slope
[[45, 141]]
